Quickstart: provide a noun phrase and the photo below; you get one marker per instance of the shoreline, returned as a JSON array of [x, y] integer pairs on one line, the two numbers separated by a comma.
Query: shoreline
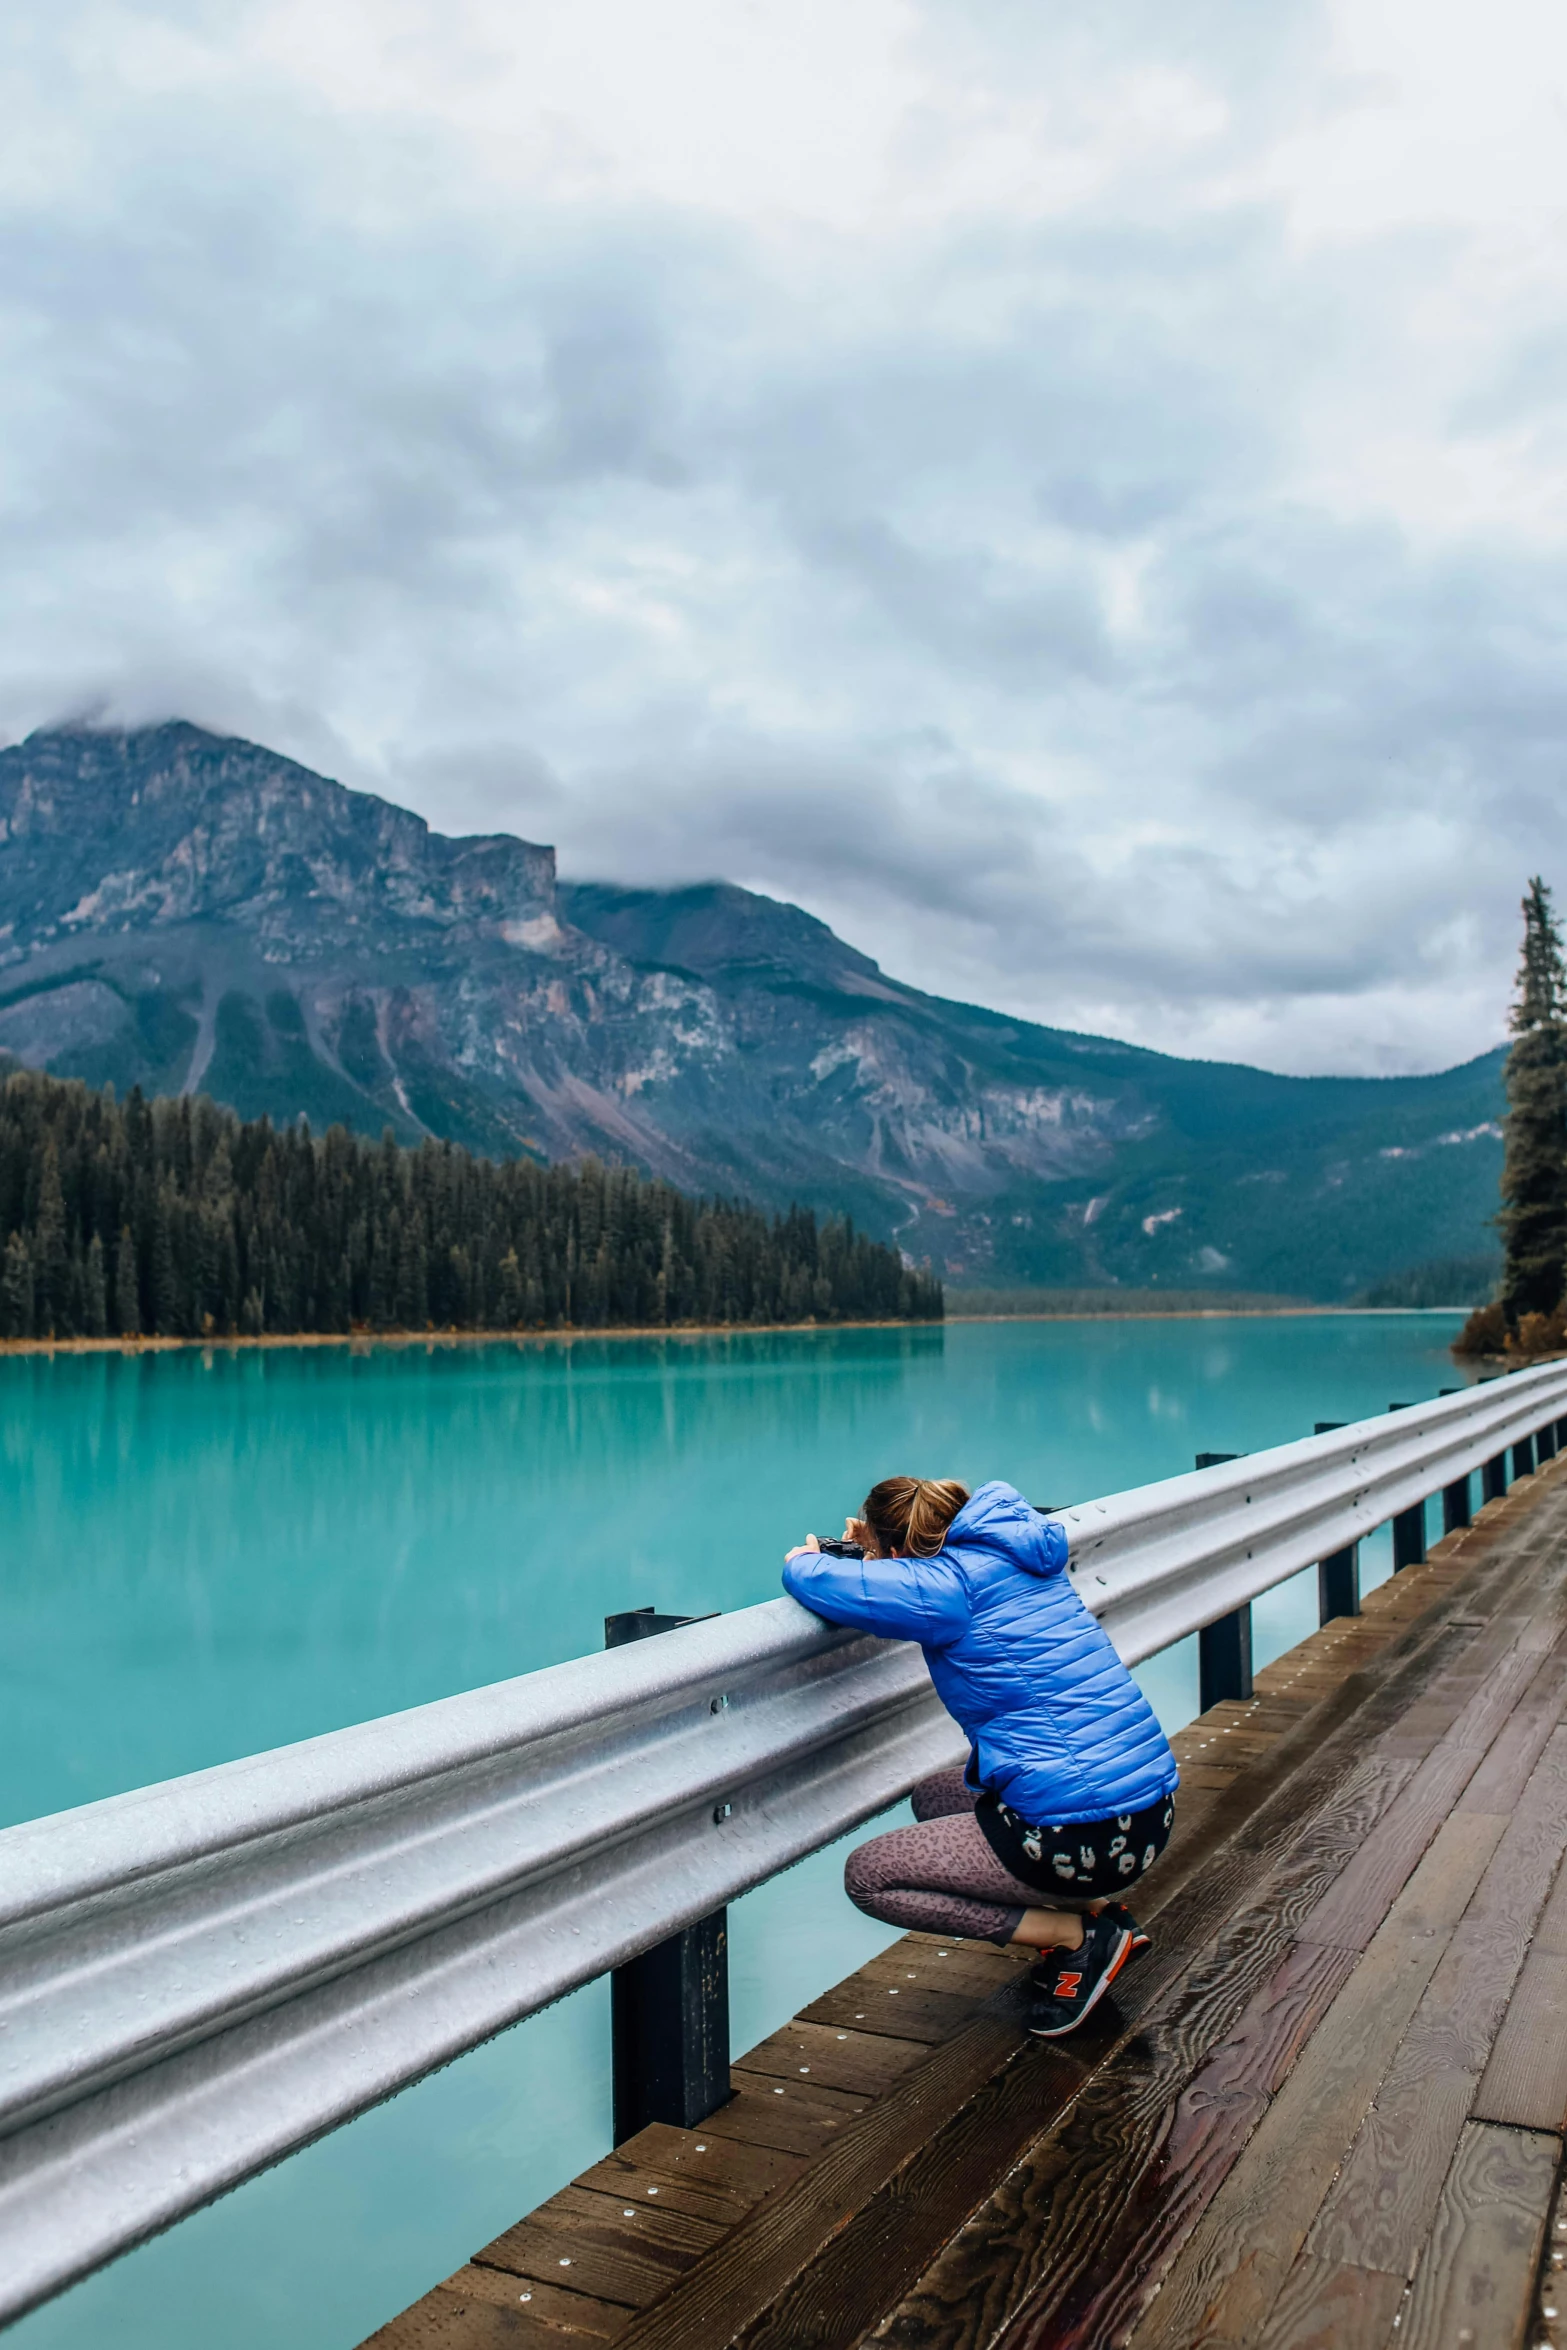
[[574, 1334], [1208, 1314], [571, 1334]]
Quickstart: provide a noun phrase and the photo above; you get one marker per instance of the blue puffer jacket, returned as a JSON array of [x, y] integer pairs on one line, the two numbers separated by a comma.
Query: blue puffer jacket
[[1058, 1727]]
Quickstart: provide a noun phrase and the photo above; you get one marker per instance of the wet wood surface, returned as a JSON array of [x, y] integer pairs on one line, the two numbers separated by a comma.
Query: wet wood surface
[[1327, 2108]]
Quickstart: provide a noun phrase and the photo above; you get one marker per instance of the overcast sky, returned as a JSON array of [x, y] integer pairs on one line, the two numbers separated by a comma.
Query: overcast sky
[[1075, 496]]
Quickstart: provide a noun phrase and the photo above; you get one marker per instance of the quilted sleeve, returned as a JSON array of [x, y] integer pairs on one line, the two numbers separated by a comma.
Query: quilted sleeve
[[899, 1599]]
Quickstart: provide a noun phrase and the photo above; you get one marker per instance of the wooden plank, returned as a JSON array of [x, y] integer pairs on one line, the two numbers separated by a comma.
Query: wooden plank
[[1231, 2271], [1500, 1781], [901, 2011], [1352, 1912], [1087, 2274], [989, 2083], [578, 2240], [1551, 1932], [711, 2177], [1475, 2281], [1525, 2083], [792, 2125], [1548, 2326], [1380, 2208], [861, 2064], [479, 2309], [1326, 2308]]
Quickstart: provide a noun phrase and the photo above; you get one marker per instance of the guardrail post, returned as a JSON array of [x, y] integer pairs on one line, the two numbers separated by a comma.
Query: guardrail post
[[1409, 1526], [1409, 1537], [1338, 1577], [1523, 1458], [669, 2009], [1493, 1478], [1456, 1512], [1223, 1647], [1545, 1446], [1338, 1584]]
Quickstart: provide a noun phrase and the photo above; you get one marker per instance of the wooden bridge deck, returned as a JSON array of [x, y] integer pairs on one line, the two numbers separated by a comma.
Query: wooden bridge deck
[[1327, 2110]]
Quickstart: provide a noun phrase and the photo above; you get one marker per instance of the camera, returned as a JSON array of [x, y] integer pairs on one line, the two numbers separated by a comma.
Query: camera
[[841, 1550]]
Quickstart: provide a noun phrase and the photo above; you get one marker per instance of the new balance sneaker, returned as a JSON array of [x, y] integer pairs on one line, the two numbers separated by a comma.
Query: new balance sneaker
[[1069, 1984], [1142, 1940]]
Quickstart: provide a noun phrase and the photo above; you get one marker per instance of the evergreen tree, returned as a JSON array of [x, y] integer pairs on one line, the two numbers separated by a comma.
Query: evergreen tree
[[95, 1297], [127, 1289], [16, 1289], [1533, 1218], [50, 1255], [178, 1218]]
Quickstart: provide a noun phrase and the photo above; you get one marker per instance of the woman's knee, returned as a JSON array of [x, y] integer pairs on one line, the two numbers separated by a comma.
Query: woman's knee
[[866, 1877]]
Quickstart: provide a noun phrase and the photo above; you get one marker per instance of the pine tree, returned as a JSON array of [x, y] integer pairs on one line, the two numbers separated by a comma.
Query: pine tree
[[95, 1302], [49, 1253], [1533, 1218], [16, 1289], [127, 1289]]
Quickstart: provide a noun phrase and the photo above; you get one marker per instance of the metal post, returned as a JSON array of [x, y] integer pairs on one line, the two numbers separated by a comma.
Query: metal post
[[1493, 1478], [1545, 1447], [1409, 1537], [1224, 1647], [669, 2009], [1523, 1457], [1561, 1435], [1338, 1577], [1456, 1512], [1338, 1584], [1224, 1659], [1409, 1527]]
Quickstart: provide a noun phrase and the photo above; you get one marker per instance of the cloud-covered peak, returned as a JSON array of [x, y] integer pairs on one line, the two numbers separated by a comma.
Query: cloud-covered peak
[[1077, 502]]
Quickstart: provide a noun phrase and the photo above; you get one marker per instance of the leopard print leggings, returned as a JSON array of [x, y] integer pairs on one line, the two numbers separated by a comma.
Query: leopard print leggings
[[940, 1876]]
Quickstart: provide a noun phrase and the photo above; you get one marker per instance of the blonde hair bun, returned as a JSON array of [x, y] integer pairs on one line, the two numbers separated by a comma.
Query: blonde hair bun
[[912, 1514]]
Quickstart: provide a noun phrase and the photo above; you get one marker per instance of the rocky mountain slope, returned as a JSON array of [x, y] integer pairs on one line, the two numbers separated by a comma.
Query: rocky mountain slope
[[183, 911]]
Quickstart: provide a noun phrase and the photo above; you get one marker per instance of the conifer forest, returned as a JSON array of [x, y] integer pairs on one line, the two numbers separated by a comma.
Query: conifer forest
[[175, 1218]]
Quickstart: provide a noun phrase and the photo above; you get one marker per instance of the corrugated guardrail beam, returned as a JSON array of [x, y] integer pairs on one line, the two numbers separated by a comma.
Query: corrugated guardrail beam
[[198, 1978], [1160, 1561]]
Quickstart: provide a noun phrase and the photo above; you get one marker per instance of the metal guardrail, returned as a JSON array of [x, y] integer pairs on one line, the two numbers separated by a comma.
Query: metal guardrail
[[200, 1977], [1160, 1561]]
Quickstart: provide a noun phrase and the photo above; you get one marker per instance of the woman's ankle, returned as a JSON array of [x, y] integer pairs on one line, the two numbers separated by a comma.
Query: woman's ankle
[[1051, 1929]]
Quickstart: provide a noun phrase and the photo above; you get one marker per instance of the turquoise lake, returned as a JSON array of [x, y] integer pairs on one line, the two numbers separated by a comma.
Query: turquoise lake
[[208, 1554]]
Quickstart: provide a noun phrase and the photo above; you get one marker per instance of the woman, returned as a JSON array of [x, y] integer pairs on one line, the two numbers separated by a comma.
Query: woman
[[1069, 1787]]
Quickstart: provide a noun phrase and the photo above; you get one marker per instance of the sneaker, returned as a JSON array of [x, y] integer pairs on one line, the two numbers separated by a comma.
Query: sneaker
[[1142, 1940], [1069, 1984]]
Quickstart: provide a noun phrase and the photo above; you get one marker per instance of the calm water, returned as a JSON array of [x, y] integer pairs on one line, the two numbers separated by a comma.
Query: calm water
[[206, 1555]]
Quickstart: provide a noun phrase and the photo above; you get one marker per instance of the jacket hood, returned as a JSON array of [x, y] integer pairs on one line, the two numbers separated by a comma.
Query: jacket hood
[[998, 1518]]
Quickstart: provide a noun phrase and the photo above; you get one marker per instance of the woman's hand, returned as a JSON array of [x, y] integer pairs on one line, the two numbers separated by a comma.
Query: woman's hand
[[856, 1530], [810, 1543]]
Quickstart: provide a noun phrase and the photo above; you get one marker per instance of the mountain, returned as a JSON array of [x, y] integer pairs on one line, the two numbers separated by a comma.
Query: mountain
[[180, 910]]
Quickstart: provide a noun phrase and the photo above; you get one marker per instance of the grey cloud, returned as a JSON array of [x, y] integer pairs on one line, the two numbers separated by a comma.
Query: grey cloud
[[987, 619]]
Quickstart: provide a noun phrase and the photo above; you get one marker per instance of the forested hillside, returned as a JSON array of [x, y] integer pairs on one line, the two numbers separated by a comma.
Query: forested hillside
[[177, 1219], [188, 913]]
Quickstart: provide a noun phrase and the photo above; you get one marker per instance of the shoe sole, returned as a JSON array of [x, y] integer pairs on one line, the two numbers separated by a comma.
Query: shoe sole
[[1117, 1966]]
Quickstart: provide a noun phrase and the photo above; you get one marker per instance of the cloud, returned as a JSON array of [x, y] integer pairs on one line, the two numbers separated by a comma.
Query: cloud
[[1079, 502]]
